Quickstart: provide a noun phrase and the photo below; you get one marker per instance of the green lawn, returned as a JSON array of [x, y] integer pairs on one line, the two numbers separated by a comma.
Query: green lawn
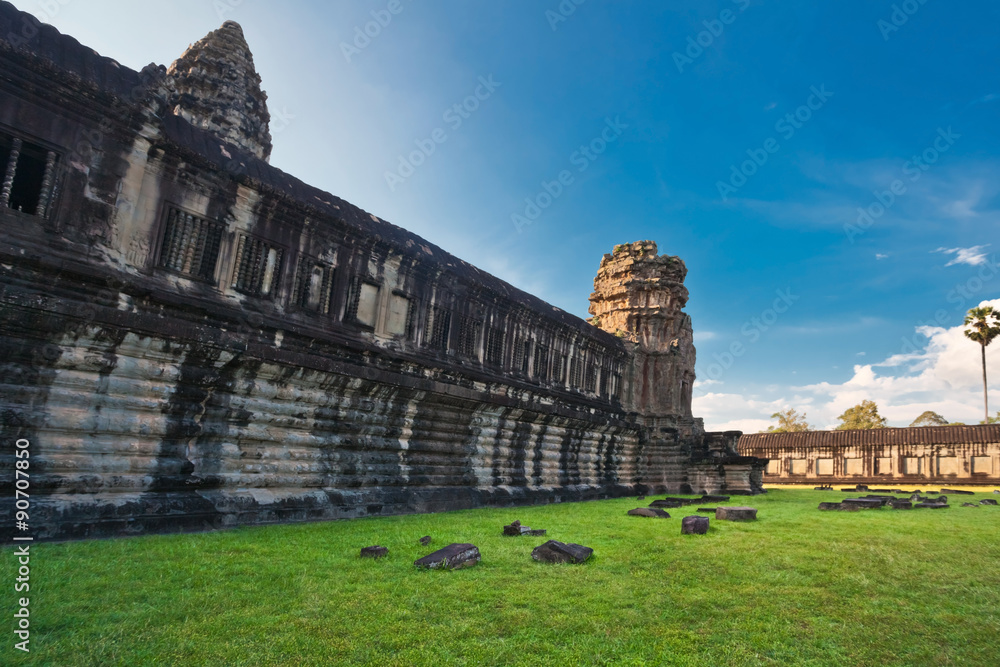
[[797, 587]]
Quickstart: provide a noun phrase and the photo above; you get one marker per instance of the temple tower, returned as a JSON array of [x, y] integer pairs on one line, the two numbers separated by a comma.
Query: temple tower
[[640, 296], [215, 87]]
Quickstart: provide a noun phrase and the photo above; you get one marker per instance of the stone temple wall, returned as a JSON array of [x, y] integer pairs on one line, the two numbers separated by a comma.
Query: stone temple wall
[[191, 338], [955, 455]]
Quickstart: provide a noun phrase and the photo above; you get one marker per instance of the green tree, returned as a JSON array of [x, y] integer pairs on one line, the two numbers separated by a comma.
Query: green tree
[[864, 415], [984, 323], [930, 418], [992, 420], [789, 421]]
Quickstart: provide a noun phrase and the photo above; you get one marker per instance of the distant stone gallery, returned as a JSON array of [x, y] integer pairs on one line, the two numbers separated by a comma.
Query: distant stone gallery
[[947, 454]]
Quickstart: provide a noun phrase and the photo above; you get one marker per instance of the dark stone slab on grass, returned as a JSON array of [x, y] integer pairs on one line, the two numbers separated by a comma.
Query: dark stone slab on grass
[[987, 501], [736, 513], [559, 552], [830, 506], [900, 504], [709, 510], [683, 501], [822, 488], [863, 503], [425, 540], [713, 499], [969, 505], [694, 525], [953, 492], [933, 506], [672, 504], [651, 512], [516, 529], [451, 557], [374, 552]]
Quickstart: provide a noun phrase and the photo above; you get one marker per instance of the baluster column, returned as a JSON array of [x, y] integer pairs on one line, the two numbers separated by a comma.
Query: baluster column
[[8, 179]]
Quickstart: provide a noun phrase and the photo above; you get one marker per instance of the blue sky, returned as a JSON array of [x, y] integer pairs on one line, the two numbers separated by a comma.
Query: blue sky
[[645, 109]]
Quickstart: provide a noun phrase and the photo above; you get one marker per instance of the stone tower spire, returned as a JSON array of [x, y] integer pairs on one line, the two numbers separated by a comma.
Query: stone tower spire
[[215, 87], [639, 296]]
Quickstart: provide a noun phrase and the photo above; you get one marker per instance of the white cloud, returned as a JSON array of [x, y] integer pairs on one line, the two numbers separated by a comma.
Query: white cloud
[[944, 376], [973, 256], [879, 255]]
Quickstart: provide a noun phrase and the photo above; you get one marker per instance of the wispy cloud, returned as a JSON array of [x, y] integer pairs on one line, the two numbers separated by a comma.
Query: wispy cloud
[[879, 255], [984, 99], [973, 256]]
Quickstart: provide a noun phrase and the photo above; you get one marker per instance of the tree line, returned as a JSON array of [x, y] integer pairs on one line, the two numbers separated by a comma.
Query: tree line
[[983, 328]]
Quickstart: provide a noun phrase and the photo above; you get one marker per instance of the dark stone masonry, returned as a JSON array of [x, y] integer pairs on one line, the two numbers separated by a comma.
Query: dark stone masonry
[[193, 339]]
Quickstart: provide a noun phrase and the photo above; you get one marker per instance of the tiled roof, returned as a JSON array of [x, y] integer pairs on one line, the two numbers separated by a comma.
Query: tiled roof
[[924, 435]]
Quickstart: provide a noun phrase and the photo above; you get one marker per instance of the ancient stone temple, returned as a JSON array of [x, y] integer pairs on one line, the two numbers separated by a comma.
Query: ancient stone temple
[[956, 455], [191, 338]]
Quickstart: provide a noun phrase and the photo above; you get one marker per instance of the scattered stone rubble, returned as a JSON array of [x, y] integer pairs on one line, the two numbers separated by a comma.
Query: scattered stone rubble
[[694, 525], [515, 529], [451, 557], [736, 514], [374, 552], [559, 552], [651, 512]]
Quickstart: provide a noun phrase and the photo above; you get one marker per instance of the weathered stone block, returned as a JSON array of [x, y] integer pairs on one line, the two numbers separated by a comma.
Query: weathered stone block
[[651, 512], [559, 552], [451, 557], [987, 501], [694, 525], [863, 503], [736, 513], [515, 529], [374, 552], [425, 540], [830, 506]]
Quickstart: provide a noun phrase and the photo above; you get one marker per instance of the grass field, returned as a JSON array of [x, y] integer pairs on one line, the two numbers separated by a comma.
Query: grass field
[[797, 587]]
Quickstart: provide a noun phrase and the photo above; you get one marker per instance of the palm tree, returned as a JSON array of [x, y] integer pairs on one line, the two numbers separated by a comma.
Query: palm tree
[[983, 331]]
